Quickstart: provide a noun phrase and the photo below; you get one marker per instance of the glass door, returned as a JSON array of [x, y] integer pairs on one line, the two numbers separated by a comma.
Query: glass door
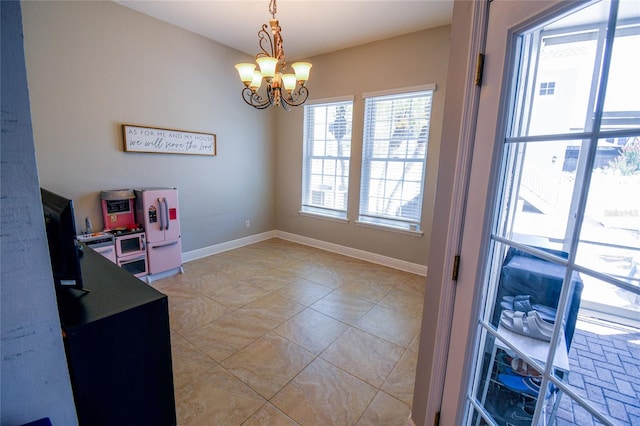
[[556, 186]]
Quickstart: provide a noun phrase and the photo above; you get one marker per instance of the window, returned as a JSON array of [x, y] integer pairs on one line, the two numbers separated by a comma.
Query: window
[[327, 151], [394, 157], [548, 88]]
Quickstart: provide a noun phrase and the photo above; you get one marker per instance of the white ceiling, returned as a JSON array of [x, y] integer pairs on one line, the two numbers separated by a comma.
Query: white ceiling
[[309, 28]]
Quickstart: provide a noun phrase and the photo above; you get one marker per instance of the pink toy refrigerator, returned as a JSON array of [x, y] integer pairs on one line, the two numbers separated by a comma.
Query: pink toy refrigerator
[[157, 211]]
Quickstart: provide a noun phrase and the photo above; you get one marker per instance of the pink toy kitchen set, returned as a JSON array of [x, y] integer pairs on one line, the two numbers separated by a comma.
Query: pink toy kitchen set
[[157, 210], [141, 230]]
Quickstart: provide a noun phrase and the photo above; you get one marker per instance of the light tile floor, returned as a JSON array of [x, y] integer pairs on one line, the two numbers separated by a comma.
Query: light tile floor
[[278, 333]]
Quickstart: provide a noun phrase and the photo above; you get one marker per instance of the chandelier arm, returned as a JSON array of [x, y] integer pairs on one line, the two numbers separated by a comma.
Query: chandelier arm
[[254, 99], [297, 97], [265, 42], [285, 106], [275, 95]]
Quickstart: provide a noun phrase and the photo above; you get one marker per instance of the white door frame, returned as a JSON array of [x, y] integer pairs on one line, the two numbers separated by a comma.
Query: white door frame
[[433, 380]]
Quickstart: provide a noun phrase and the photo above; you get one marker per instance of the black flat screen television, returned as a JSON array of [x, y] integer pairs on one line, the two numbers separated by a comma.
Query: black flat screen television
[[64, 249]]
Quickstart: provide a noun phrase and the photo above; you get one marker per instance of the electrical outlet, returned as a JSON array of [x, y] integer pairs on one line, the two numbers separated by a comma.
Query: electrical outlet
[[247, 223]]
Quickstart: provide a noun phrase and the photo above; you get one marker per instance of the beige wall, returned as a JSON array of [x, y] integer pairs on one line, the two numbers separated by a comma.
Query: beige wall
[[92, 66], [414, 59]]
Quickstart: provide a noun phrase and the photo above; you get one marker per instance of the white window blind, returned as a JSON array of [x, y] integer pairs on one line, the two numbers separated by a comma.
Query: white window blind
[[326, 156], [394, 156]]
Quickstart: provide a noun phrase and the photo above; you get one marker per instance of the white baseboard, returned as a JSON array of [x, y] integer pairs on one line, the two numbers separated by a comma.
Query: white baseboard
[[410, 422], [226, 246], [402, 265]]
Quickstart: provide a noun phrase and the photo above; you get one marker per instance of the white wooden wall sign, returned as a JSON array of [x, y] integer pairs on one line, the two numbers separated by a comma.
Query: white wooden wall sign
[[167, 141]]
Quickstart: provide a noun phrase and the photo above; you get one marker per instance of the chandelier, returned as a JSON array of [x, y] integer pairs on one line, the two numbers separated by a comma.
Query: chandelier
[[286, 89]]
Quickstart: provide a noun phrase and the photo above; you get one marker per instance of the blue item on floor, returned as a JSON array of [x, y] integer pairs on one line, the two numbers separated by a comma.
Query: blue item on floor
[[40, 422], [521, 384]]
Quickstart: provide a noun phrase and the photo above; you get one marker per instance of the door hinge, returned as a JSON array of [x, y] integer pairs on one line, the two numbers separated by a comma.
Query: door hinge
[[436, 419], [479, 69], [456, 267]]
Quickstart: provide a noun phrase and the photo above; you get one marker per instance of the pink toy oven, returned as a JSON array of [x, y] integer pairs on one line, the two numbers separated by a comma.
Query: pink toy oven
[[118, 209]]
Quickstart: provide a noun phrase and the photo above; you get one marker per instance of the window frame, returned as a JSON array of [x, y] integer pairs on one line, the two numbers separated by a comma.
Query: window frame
[[306, 205], [391, 222], [547, 88]]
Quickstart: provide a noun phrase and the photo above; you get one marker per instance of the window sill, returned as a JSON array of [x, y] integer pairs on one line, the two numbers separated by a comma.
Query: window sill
[[389, 228], [324, 216]]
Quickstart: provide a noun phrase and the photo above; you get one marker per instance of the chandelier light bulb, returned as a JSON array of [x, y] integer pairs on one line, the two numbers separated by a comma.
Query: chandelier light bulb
[[256, 82], [302, 70], [289, 81], [267, 66], [246, 72]]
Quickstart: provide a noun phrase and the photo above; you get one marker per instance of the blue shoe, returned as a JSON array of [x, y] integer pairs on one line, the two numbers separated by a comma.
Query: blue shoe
[[516, 416], [526, 385]]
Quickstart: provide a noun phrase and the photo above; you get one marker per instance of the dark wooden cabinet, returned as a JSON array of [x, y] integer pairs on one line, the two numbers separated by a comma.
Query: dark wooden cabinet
[[118, 347]]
